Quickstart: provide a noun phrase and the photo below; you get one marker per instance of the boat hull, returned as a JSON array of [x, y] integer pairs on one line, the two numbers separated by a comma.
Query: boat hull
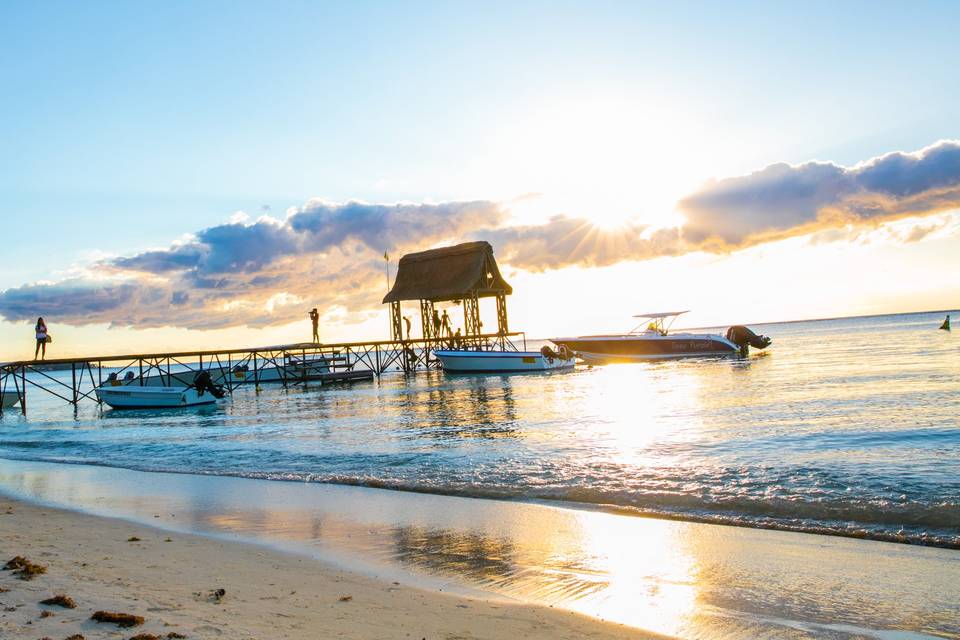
[[137, 397], [635, 348], [499, 361], [8, 400]]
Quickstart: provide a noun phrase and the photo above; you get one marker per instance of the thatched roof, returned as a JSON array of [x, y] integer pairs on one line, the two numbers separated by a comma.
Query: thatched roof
[[449, 273]]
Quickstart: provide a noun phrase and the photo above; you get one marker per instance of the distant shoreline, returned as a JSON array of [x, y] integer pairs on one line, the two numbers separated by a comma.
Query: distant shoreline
[[829, 319]]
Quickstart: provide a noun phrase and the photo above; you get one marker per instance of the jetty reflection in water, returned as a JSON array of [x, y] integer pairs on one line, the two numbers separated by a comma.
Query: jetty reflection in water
[[677, 578]]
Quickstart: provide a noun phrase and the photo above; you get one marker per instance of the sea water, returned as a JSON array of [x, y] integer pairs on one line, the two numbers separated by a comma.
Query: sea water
[[846, 427]]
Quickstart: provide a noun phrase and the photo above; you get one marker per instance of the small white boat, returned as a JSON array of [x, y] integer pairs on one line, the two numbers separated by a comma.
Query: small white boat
[[462, 361], [137, 397]]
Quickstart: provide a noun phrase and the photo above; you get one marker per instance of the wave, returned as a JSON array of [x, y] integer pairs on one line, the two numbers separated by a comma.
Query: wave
[[935, 523]]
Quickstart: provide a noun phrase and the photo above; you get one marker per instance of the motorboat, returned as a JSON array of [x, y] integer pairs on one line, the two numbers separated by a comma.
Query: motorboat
[[466, 361], [134, 396], [652, 340], [137, 397]]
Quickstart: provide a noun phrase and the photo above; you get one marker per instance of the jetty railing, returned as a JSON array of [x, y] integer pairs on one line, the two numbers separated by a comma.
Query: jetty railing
[[284, 364]]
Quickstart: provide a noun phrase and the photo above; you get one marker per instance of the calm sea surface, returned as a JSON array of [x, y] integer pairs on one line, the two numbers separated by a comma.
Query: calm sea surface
[[843, 426]]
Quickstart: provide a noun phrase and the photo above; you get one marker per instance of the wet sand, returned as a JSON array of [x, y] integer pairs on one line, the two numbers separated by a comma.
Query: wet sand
[[168, 579], [683, 579]]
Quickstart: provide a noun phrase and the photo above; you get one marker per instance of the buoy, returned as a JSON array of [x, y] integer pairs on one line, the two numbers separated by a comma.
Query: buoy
[[946, 324]]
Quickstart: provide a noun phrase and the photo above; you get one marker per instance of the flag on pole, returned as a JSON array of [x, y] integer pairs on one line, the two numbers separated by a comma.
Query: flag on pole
[[386, 256]]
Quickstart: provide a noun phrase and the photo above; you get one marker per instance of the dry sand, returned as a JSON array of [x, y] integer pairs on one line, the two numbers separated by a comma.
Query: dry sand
[[168, 578]]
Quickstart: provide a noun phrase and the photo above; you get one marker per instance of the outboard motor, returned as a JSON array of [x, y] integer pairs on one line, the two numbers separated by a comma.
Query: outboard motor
[[203, 383], [547, 352], [744, 338]]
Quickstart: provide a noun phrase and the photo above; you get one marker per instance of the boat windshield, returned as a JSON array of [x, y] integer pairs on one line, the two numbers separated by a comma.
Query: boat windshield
[[656, 323]]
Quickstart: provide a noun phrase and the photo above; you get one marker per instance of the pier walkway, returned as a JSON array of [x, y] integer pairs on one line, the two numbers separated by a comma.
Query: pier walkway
[[74, 380]]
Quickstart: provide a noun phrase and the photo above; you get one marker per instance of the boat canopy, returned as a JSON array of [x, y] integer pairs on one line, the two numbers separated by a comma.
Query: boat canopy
[[661, 314]]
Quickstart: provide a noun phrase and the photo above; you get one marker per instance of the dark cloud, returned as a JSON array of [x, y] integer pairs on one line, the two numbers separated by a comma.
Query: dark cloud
[[110, 302], [784, 200], [176, 258]]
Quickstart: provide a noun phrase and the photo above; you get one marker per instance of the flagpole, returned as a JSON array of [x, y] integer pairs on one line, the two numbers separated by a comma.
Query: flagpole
[[386, 264]]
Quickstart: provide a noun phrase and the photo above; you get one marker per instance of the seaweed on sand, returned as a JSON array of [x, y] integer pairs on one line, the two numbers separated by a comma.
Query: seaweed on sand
[[60, 600], [119, 619], [23, 568]]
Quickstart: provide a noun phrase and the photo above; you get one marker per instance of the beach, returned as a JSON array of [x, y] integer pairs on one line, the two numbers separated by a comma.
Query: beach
[[169, 578], [507, 562]]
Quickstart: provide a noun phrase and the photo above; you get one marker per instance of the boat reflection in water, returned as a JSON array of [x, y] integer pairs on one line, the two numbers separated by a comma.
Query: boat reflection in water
[[656, 342]]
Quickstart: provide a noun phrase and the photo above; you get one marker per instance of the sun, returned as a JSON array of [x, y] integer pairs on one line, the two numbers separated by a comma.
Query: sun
[[614, 160]]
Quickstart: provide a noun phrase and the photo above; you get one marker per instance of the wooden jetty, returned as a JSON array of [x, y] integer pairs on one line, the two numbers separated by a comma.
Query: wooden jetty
[[285, 364], [462, 275]]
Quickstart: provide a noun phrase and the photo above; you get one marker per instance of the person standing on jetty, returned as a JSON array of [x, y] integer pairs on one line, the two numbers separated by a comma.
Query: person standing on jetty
[[42, 337], [445, 324], [315, 319]]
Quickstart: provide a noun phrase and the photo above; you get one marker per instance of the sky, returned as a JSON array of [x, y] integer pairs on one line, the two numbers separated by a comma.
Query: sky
[[199, 175]]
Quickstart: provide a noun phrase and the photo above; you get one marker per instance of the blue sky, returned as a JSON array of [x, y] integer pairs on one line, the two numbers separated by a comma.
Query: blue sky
[[125, 126]]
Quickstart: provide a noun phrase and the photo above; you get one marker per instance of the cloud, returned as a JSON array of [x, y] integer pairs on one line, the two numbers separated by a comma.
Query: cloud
[[255, 273], [329, 255], [783, 200], [563, 241]]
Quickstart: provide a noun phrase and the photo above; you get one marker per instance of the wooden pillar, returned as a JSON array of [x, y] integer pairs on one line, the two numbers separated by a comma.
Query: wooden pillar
[[23, 390], [503, 327], [471, 315], [396, 321], [426, 319], [73, 382]]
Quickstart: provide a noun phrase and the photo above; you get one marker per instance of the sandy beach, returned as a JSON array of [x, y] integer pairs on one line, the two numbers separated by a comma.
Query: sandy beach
[[170, 578]]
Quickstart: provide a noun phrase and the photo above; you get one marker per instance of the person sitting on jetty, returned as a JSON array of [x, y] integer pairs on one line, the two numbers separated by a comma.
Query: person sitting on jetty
[[42, 338], [946, 324], [315, 319]]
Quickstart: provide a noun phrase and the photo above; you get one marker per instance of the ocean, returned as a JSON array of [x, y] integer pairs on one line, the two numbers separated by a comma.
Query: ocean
[[846, 427]]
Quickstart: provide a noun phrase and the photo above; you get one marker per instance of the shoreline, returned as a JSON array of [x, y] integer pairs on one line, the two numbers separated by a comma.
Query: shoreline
[[170, 579], [746, 521], [673, 578]]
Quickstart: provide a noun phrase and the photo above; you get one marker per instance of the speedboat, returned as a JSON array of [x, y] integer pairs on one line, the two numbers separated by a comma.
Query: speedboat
[[465, 361], [655, 342]]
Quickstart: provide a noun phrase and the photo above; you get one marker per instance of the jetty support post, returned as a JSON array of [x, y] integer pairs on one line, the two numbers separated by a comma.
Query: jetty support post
[[73, 383], [396, 321], [23, 389], [471, 316], [503, 325]]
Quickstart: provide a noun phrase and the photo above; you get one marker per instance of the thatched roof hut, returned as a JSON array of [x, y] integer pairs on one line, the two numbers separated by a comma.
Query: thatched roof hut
[[449, 273]]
